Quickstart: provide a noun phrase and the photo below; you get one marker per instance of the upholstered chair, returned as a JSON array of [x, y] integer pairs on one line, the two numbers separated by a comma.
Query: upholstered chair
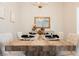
[[72, 39], [19, 34], [4, 39], [61, 35]]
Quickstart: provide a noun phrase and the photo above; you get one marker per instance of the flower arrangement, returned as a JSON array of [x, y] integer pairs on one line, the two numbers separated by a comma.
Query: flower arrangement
[[34, 27], [40, 31]]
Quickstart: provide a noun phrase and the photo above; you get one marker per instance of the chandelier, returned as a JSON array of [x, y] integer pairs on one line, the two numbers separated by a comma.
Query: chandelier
[[40, 4]]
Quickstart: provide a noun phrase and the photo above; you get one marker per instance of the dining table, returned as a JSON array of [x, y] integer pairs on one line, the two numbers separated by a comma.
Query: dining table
[[39, 46]]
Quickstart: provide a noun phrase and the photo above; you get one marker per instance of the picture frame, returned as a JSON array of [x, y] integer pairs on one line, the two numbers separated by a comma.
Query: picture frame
[[42, 22], [12, 15], [2, 13]]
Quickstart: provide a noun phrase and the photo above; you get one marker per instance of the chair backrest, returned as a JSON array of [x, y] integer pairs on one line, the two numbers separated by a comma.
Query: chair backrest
[[72, 38], [19, 34], [61, 35], [5, 37]]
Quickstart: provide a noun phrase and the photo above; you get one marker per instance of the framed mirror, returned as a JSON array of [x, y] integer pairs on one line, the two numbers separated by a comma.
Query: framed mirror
[[42, 22]]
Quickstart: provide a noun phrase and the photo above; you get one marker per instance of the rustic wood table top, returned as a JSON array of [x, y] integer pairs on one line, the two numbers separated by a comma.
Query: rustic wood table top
[[41, 42]]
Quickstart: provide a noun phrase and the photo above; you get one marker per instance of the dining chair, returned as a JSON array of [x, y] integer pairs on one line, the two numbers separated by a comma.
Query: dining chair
[[19, 34], [61, 35], [72, 39], [5, 38]]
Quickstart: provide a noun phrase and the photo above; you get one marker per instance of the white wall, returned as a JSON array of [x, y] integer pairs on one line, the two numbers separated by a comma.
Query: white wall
[[70, 17], [53, 10], [77, 12], [6, 25], [25, 13], [62, 15]]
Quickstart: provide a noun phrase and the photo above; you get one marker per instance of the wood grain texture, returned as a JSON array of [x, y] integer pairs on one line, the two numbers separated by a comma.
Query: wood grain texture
[[39, 47]]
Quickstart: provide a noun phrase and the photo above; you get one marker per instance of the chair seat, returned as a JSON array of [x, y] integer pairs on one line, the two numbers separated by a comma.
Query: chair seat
[[67, 53], [14, 53]]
